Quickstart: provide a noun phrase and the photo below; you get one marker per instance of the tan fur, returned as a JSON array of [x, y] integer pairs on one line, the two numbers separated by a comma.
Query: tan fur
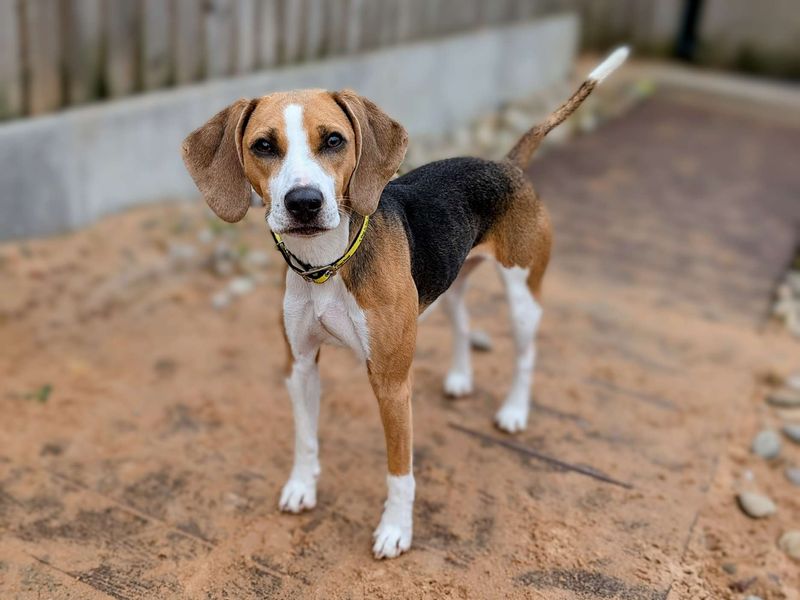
[[218, 156], [213, 157], [523, 236], [381, 145], [391, 305], [520, 155]]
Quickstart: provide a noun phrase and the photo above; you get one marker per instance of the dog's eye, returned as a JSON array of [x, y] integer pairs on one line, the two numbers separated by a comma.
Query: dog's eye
[[262, 146], [334, 140]]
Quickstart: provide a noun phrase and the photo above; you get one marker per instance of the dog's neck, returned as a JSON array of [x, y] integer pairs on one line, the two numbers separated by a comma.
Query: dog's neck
[[322, 249]]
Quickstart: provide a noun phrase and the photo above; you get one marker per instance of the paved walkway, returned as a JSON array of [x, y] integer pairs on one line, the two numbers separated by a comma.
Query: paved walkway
[[154, 469]]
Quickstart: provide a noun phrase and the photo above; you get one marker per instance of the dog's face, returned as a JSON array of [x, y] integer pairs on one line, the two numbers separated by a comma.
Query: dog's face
[[310, 155]]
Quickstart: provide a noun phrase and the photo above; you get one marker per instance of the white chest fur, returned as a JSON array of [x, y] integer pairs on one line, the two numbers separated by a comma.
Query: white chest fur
[[327, 313]]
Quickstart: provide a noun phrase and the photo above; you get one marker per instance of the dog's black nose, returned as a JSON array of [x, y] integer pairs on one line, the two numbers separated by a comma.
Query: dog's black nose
[[303, 202]]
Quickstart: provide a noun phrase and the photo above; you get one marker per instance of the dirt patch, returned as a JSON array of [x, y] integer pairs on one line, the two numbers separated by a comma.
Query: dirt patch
[[152, 465]]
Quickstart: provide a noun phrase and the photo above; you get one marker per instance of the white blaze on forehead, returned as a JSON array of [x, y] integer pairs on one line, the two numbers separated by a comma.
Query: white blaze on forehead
[[298, 155], [299, 167]]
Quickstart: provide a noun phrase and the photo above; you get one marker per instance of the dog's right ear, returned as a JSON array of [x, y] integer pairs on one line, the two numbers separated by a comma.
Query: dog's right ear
[[213, 156]]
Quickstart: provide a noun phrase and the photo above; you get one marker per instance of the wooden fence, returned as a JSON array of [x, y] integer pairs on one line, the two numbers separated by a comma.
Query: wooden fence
[[59, 53]]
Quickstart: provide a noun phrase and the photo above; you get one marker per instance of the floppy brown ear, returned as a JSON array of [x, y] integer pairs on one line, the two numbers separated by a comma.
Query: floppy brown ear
[[381, 144], [213, 156]]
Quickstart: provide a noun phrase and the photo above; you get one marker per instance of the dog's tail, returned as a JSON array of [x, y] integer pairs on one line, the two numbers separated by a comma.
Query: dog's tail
[[522, 152]]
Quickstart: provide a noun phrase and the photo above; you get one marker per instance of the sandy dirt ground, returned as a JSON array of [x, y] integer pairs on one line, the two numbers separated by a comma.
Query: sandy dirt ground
[[145, 436]]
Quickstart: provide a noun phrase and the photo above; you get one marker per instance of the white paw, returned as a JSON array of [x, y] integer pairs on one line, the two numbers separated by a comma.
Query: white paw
[[391, 540], [298, 495], [512, 418], [458, 383]]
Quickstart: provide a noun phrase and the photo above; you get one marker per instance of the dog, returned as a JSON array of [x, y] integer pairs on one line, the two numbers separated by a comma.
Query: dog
[[367, 254]]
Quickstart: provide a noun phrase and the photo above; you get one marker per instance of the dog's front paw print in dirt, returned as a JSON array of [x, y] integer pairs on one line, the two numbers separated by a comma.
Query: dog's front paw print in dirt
[[298, 495]]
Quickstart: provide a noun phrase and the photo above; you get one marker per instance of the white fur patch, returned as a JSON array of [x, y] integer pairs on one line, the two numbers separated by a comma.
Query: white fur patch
[[393, 535], [299, 168], [610, 64], [526, 314], [300, 492]]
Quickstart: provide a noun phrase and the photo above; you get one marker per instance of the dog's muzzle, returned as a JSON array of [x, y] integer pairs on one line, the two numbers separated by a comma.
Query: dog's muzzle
[[304, 204]]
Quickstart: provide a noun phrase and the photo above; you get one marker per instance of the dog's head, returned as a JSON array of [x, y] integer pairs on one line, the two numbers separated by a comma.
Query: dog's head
[[309, 154]]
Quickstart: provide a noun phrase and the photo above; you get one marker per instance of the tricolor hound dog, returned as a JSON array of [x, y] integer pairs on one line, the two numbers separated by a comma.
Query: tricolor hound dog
[[322, 163]]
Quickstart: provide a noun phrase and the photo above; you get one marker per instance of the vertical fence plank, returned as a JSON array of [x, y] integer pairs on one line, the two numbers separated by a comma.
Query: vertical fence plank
[[10, 60], [220, 24], [268, 36], [43, 55], [189, 46], [314, 33], [156, 44], [335, 15], [82, 28], [406, 21], [292, 30], [122, 47], [355, 21], [246, 32]]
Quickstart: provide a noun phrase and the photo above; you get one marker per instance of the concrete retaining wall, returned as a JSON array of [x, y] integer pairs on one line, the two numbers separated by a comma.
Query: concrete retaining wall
[[63, 171]]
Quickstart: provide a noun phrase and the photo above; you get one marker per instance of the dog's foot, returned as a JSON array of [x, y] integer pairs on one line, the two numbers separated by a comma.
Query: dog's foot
[[393, 535], [512, 418], [391, 540], [457, 384], [298, 495]]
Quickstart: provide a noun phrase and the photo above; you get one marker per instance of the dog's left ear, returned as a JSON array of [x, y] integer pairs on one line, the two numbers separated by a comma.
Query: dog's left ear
[[213, 157], [381, 144]]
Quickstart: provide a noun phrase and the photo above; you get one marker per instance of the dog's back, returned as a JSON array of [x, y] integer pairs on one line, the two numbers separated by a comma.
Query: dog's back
[[449, 207]]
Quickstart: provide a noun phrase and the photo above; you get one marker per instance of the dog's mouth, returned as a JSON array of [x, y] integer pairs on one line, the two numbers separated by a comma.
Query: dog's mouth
[[305, 231]]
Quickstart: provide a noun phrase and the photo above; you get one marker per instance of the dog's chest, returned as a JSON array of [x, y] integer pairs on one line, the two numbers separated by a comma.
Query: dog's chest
[[323, 314]]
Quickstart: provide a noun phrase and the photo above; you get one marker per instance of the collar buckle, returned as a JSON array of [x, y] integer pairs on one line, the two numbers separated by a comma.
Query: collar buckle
[[319, 275]]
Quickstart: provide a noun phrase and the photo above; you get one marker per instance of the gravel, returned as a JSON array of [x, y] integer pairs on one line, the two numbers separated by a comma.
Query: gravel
[[792, 431], [756, 505], [480, 340], [767, 444], [793, 475], [785, 399], [790, 543], [221, 299], [239, 286], [793, 382]]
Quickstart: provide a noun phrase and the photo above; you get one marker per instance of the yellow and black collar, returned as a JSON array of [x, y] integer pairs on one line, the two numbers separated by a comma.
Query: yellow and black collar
[[320, 274]]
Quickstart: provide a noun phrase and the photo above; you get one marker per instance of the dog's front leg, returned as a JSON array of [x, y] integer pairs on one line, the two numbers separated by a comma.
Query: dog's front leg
[[393, 535], [300, 492]]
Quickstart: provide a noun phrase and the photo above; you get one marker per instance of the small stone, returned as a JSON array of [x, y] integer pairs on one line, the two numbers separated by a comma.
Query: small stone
[[790, 543], [793, 382], [793, 475], [792, 431], [767, 444], [729, 568], [785, 399], [257, 259], [751, 597], [480, 341], [221, 299], [755, 505], [205, 236], [181, 255], [239, 286]]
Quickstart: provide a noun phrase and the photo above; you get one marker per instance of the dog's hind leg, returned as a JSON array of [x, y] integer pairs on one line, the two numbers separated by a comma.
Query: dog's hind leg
[[459, 378], [526, 314]]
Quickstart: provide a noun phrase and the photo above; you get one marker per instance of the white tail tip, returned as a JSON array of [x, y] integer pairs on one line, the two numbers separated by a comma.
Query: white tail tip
[[609, 65]]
